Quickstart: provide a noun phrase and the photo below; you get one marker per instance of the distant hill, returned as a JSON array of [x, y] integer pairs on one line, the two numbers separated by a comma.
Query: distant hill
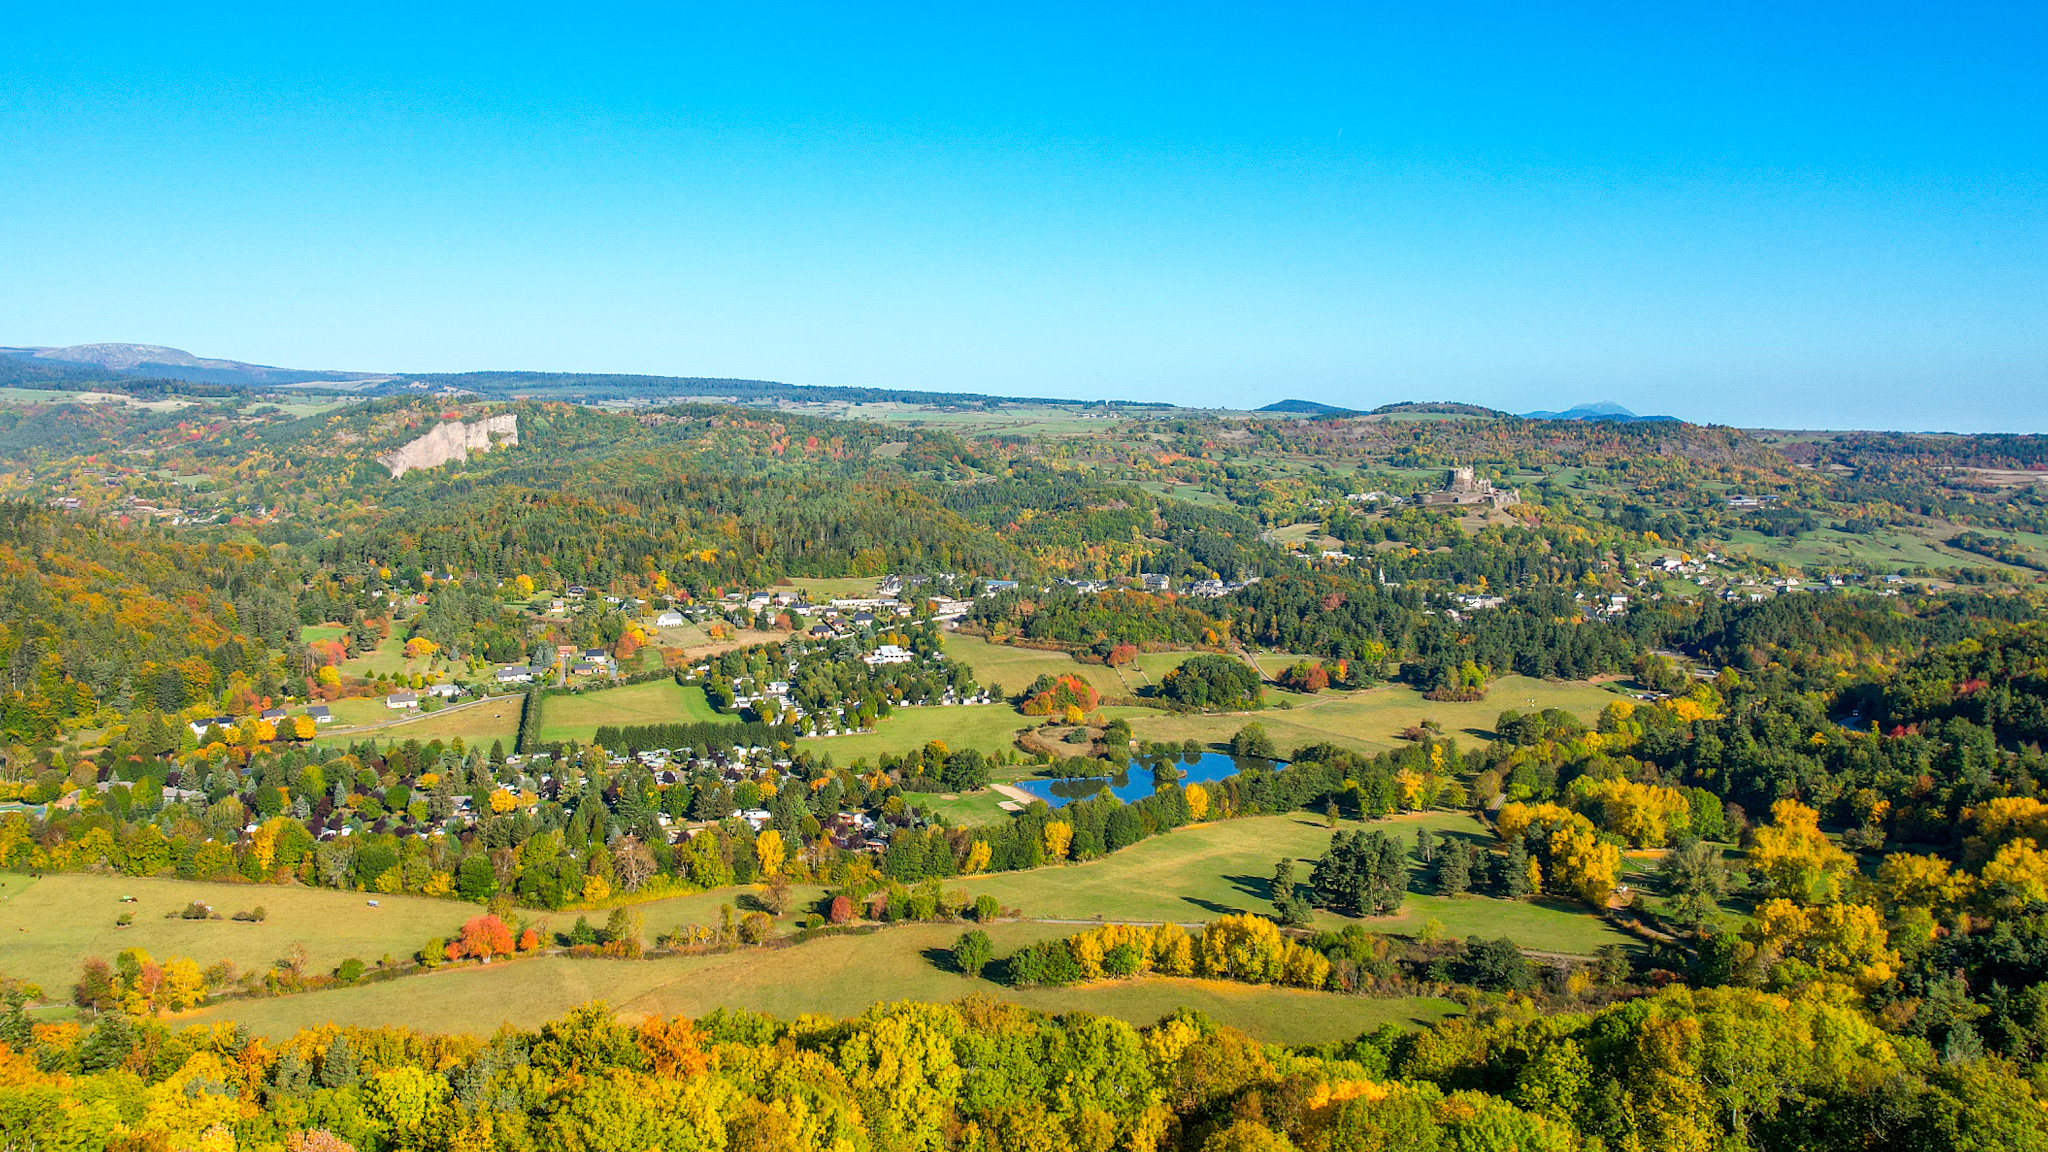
[[587, 386], [1310, 407], [81, 364], [1604, 410], [1435, 408], [154, 361]]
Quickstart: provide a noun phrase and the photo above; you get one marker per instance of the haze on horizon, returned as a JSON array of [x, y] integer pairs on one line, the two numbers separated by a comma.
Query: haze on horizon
[[1824, 217]]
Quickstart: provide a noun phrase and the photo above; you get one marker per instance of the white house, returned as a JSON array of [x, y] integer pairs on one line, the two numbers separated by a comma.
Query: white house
[[669, 619], [402, 699], [515, 674], [320, 714], [888, 654]]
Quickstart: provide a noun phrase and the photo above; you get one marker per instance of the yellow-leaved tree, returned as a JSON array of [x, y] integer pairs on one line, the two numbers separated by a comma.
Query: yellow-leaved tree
[[769, 853], [1997, 822], [977, 857], [1582, 865], [2017, 874], [1643, 814], [1796, 859], [1800, 943], [1058, 835]]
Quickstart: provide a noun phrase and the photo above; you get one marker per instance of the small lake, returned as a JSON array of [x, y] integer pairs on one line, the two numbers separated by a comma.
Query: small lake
[[1142, 778]]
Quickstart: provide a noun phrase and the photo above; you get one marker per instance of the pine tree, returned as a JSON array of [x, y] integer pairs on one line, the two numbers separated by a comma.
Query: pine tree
[[15, 1030], [1454, 875], [1288, 907], [338, 1064], [1515, 873], [1425, 846]]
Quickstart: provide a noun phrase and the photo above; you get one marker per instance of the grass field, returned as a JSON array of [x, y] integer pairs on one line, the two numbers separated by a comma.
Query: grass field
[[1016, 668], [1896, 548], [48, 925], [1151, 667], [989, 727], [578, 717], [966, 810], [1185, 492], [480, 723], [387, 657], [1373, 719], [1201, 872], [838, 976]]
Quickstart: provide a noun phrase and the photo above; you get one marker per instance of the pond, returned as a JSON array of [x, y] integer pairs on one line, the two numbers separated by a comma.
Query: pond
[[1143, 777]]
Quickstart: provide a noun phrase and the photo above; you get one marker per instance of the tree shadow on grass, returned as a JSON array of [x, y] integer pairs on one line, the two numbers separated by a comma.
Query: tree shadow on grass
[[1257, 887], [942, 959], [1213, 906]]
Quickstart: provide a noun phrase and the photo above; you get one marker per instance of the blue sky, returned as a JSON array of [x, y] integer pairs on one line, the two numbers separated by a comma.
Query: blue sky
[[1785, 215]]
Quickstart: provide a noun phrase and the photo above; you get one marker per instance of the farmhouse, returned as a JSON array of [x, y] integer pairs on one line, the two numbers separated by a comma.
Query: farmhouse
[[669, 619], [515, 674], [320, 714], [402, 699]]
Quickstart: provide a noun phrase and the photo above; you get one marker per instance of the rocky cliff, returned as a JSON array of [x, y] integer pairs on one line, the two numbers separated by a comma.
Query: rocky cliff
[[454, 441]]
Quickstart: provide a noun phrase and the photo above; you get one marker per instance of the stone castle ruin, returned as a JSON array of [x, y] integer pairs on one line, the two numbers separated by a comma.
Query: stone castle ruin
[[1464, 488]]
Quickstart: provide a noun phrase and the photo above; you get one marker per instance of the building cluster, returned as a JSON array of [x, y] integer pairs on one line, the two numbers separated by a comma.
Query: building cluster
[[1465, 488]]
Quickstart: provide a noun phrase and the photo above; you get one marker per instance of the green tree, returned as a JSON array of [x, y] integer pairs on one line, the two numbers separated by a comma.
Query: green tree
[[475, 880], [1454, 874], [1695, 879], [1252, 741], [973, 951]]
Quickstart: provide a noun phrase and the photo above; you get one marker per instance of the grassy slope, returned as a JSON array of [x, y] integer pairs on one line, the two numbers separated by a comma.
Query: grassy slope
[[497, 719], [49, 925], [989, 727], [1208, 870], [1016, 668], [1372, 720], [655, 702], [838, 976]]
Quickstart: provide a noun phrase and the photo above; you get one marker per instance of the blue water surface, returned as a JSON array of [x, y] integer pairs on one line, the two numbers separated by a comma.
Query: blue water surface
[[1142, 778]]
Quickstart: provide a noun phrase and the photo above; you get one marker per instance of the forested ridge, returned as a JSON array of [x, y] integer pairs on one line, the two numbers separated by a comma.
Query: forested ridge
[[1681, 1070]]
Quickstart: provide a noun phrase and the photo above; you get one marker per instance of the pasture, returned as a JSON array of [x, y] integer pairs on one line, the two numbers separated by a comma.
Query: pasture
[[480, 723], [989, 727], [578, 717], [1204, 871], [836, 975], [50, 924], [1372, 719], [1897, 548], [1016, 668]]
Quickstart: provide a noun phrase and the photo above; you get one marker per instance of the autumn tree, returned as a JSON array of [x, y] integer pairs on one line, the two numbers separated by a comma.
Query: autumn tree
[[1794, 859]]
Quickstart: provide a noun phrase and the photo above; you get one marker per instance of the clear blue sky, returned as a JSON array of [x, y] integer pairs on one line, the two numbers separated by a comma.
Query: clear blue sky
[[1810, 215]]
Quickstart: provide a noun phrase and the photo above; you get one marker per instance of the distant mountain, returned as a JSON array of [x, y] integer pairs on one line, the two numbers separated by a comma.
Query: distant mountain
[[155, 361], [1309, 406], [114, 364], [1434, 408], [1604, 410]]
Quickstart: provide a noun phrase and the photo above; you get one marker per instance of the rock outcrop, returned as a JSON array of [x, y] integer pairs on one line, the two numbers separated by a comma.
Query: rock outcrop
[[453, 441]]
